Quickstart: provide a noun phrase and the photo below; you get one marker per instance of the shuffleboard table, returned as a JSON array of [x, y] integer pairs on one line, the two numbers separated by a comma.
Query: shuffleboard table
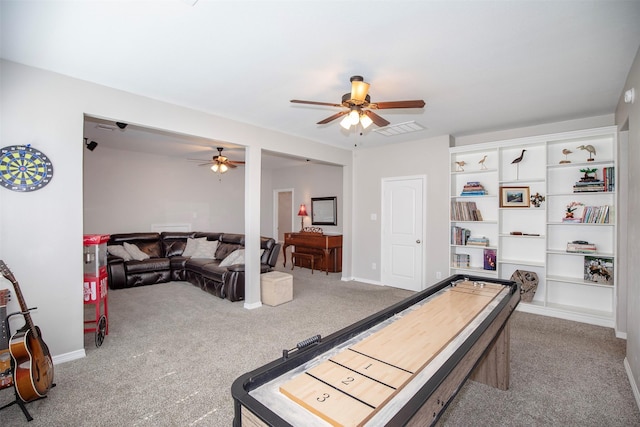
[[400, 366]]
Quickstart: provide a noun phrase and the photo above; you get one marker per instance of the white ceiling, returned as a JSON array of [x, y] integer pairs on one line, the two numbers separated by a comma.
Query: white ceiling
[[479, 65]]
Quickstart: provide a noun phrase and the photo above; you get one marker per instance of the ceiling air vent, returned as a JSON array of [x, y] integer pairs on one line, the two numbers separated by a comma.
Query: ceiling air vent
[[399, 129]]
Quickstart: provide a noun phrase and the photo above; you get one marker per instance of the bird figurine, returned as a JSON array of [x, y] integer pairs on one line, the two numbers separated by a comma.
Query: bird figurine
[[482, 165], [517, 161], [566, 153], [460, 166], [590, 149]]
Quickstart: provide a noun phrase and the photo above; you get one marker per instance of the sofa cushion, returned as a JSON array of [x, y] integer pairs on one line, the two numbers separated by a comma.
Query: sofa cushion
[[135, 252], [197, 264], [192, 246], [150, 264], [119, 251], [224, 249], [206, 249], [214, 272]]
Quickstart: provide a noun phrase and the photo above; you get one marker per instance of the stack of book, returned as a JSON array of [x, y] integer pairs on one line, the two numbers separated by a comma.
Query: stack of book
[[465, 211], [473, 188], [461, 260], [580, 247], [459, 235], [478, 241], [593, 186]]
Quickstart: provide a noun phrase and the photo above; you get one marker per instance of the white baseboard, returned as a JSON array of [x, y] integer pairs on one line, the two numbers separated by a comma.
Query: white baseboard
[[252, 305], [368, 281], [632, 381], [68, 357], [622, 335]]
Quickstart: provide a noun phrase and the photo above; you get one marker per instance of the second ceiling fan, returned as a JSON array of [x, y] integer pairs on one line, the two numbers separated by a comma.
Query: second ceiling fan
[[358, 106]]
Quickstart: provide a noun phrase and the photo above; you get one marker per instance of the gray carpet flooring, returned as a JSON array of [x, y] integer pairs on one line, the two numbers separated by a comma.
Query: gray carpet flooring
[[173, 352]]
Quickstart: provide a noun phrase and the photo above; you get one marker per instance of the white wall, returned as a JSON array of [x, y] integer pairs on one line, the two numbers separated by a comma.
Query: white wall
[[629, 114], [428, 157], [126, 191], [41, 232]]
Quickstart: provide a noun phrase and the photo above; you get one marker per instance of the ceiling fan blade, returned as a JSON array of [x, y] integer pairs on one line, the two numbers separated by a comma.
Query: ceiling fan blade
[[234, 162], [379, 121], [297, 101], [417, 103], [332, 118]]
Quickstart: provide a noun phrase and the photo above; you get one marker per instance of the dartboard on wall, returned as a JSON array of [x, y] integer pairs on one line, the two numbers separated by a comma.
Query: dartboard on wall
[[23, 168]]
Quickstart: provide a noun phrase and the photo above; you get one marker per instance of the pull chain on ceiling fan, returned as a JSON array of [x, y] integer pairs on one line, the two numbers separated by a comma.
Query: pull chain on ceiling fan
[[359, 106]]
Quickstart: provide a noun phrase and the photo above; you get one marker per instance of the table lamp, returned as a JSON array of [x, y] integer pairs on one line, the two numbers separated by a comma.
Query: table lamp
[[302, 213]]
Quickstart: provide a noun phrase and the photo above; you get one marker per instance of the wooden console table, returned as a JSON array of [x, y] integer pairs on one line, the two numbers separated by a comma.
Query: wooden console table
[[329, 245]]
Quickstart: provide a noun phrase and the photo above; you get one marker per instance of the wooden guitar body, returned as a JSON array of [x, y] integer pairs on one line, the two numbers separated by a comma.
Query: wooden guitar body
[[33, 372]]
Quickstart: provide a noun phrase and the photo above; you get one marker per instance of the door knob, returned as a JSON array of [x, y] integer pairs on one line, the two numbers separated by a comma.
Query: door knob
[[418, 241]]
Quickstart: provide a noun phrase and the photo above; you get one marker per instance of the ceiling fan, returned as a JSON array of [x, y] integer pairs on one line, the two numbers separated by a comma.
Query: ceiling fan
[[221, 163], [359, 106]]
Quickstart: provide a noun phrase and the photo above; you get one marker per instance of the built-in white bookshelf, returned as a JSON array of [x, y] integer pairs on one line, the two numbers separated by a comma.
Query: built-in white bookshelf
[[575, 286]]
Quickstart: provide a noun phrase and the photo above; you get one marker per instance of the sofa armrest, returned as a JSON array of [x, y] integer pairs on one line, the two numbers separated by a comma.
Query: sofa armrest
[[273, 256], [117, 277]]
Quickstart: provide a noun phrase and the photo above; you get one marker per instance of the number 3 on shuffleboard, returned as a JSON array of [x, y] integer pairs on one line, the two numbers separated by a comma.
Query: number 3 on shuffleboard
[[323, 398]]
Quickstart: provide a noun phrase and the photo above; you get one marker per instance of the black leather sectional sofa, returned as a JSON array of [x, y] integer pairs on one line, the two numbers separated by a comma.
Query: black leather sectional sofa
[[166, 262]]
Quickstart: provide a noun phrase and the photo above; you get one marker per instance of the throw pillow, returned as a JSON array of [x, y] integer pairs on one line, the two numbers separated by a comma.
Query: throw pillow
[[135, 252], [206, 249], [235, 257], [119, 251], [192, 246]]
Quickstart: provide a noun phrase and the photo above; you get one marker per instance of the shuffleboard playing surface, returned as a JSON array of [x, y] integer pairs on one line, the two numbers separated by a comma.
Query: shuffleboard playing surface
[[349, 387]]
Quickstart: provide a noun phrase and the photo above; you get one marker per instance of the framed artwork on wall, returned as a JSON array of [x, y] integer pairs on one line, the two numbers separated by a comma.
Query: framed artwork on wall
[[324, 211]]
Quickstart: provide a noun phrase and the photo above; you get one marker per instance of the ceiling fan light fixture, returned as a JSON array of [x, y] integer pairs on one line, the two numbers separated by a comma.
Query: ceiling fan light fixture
[[359, 90], [346, 122], [354, 117], [365, 121]]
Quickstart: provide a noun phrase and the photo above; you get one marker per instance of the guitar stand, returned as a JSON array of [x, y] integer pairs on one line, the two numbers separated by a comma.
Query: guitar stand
[[18, 401]]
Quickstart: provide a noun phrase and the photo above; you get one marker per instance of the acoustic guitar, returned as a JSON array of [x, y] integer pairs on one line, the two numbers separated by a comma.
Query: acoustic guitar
[[33, 367]]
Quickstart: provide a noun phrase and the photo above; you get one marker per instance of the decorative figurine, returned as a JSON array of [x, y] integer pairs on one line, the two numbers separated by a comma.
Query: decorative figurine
[[566, 153], [482, 166], [590, 149], [571, 207], [517, 161], [459, 166], [537, 199]]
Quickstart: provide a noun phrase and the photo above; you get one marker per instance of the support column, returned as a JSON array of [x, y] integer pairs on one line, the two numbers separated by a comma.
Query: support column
[[252, 192]]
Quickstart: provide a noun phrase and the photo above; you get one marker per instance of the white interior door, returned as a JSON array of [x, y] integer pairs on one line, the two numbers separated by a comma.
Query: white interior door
[[403, 232]]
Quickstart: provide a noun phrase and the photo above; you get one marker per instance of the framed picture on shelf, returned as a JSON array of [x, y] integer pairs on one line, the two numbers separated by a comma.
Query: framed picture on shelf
[[598, 269], [514, 197]]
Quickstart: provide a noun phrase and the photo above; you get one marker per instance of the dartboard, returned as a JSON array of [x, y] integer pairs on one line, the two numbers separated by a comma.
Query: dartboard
[[23, 168]]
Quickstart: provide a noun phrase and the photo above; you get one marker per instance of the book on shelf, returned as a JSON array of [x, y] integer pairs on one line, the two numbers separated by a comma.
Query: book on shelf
[[461, 260], [608, 176], [584, 248], [465, 211], [459, 235], [598, 269], [596, 214], [490, 259]]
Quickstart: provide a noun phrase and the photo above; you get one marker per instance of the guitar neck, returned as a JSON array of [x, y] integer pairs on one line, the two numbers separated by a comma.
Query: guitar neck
[[4, 339], [23, 305]]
